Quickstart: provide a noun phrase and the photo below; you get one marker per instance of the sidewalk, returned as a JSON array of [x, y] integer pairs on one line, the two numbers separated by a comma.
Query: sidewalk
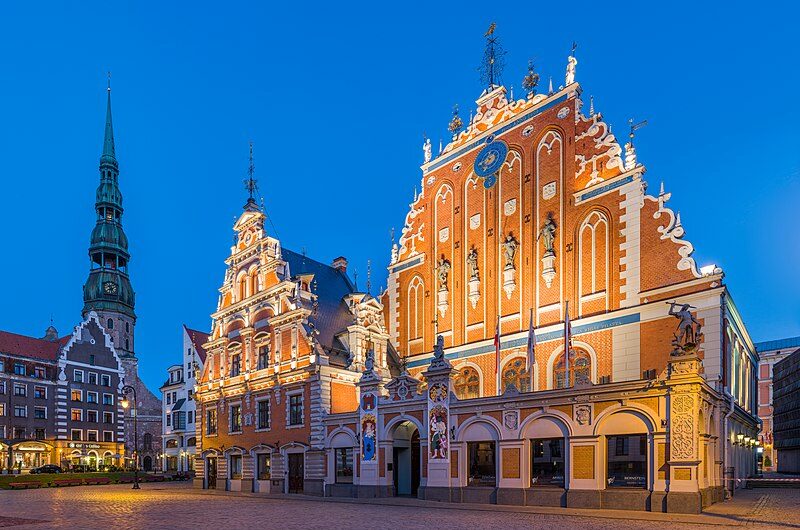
[[773, 508]]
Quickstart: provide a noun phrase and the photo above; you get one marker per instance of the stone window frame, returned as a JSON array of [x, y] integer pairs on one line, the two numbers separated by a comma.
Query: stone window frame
[[110, 400], [88, 415], [96, 397], [72, 411], [36, 409], [96, 378], [111, 438], [103, 377], [24, 408], [241, 417], [96, 435], [72, 395], [39, 387], [208, 409], [24, 388], [289, 395], [107, 414], [72, 435], [75, 377]]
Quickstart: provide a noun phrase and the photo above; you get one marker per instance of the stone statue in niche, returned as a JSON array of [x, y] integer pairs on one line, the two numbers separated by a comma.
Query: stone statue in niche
[[510, 246], [689, 332], [442, 271], [472, 263], [474, 282], [369, 363], [548, 235]]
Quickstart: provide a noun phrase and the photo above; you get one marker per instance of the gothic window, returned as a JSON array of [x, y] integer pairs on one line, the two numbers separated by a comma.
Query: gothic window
[[110, 323], [514, 374], [580, 369], [416, 310], [593, 257], [148, 442], [467, 383]]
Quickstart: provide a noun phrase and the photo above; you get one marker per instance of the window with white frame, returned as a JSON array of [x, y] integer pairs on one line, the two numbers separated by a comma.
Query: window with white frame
[[262, 419], [20, 411], [105, 380], [20, 390], [40, 413], [108, 399], [92, 378], [235, 418], [76, 435], [295, 412], [91, 397], [77, 376]]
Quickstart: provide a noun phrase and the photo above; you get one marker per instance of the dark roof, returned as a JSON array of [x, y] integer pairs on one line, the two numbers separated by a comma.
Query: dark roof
[[780, 344], [332, 286], [14, 344], [178, 405], [198, 338]]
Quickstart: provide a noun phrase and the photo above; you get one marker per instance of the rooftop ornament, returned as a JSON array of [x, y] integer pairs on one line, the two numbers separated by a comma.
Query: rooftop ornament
[[530, 81]]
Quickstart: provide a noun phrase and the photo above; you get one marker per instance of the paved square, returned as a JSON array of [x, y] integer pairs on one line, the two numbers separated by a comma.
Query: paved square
[[180, 506]]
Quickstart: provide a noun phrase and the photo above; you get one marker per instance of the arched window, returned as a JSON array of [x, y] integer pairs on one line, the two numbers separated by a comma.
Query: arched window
[[172, 444], [416, 311], [110, 323], [593, 262], [242, 287], [191, 442], [467, 383], [147, 443], [254, 281], [514, 374], [580, 369]]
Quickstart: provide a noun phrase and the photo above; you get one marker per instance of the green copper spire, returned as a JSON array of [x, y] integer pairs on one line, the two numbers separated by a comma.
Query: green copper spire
[[108, 288]]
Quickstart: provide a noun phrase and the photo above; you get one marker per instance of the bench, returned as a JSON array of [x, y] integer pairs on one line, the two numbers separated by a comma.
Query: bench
[[98, 480], [67, 482], [24, 485]]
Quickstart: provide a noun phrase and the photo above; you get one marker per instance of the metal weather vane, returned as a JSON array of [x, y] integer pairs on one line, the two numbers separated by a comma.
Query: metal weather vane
[[251, 183], [530, 80], [492, 66]]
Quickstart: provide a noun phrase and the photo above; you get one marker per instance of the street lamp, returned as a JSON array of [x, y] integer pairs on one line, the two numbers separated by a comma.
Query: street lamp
[[125, 404], [740, 437]]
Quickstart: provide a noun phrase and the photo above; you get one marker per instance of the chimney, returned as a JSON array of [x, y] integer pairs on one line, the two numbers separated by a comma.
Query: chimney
[[340, 264]]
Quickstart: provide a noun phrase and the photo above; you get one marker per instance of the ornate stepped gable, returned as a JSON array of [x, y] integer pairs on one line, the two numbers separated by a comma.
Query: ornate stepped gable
[[562, 216]]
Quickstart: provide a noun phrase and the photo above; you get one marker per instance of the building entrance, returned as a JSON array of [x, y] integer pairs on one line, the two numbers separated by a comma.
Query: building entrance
[[406, 459]]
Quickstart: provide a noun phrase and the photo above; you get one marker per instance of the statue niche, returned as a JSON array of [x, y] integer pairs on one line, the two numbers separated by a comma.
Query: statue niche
[[547, 235], [510, 246], [474, 282], [442, 272]]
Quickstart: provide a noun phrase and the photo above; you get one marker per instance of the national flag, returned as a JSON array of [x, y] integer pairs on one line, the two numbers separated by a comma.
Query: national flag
[[497, 346], [530, 360]]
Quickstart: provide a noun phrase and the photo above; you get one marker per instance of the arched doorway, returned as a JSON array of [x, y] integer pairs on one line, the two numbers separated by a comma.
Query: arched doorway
[[147, 464], [92, 461], [406, 459]]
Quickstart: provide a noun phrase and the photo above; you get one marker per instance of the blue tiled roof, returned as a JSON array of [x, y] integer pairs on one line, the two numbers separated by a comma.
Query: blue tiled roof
[[780, 344]]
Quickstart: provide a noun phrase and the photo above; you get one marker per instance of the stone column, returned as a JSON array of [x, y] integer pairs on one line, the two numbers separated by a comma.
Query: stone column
[[683, 409], [370, 464], [438, 424]]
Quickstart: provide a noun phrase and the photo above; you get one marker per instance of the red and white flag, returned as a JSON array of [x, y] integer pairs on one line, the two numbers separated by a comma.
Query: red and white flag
[[497, 346], [530, 360]]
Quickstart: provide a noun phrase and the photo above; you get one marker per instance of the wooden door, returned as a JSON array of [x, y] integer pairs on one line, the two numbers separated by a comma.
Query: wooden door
[[211, 473], [296, 472]]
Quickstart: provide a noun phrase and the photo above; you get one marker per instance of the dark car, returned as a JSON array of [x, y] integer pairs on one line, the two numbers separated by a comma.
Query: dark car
[[47, 468]]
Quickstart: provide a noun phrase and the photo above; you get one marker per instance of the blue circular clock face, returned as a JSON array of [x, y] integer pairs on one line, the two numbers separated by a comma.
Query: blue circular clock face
[[490, 159]]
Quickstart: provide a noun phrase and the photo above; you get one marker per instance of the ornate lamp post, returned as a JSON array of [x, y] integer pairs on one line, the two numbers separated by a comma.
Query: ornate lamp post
[[125, 404]]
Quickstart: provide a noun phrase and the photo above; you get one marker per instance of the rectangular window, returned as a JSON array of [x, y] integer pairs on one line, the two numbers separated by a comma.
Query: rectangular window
[[190, 417], [39, 434], [108, 399], [20, 411], [235, 365], [40, 413], [2, 387], [91, 416], [236, 418], [105, 380], [77, 415], [627, 461], [91, 436], [20, 390], [169, 419], [296, 409], [2, 367], [19, 369], [92, 378], [40, 372], [39, 392], [547, 462], [2, 409], [76, 395], [482, 464], [263, 466], [76, 435], [108, 436], [263, 415], [169, 398], [91, 362], [344, 465], [91, 397], [235, 462], [78, 376], [19, 432], [263, 357], [211, 421], [108, 417]]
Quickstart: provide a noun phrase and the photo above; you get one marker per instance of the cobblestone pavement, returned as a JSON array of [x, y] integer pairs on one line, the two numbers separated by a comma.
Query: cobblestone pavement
[[158, 506]]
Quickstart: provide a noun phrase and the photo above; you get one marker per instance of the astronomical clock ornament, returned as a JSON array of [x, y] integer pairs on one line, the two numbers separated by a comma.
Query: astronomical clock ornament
[[489, 161]]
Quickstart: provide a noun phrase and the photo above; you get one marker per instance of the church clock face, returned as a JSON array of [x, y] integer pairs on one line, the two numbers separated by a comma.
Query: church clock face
[[110, 288]]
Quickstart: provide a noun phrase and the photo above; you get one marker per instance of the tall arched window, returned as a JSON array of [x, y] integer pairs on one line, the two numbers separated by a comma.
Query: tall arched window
[[580, 369], [110, 323], [147, 443], [467, 383], [593, 262], [416, 310], [242, 287], [514, 374], [254, 281]]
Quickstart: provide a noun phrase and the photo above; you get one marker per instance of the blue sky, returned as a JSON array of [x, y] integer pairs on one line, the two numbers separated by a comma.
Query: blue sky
[[336, 99]]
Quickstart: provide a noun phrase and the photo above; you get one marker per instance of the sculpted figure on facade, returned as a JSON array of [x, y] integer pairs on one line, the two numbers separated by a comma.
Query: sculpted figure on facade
[[426, 150], [548, 233], [472, 264], [442, 271], [510, 246], [688, 333], [572, 62]]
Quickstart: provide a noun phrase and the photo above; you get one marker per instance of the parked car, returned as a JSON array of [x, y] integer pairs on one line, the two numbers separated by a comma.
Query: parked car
[[47, 468]]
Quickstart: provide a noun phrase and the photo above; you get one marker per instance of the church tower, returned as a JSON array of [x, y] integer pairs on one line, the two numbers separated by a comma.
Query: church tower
[[108, 289]]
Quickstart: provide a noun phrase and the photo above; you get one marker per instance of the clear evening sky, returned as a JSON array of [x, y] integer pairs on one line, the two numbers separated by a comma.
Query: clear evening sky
[[336, 99]]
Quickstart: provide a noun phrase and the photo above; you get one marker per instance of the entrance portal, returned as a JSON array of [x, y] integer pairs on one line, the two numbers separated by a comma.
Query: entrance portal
[[406, 459]]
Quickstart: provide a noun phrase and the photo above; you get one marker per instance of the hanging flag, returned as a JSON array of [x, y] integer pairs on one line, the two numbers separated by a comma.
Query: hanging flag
[[530, 360], [497, 347], [567, 343]]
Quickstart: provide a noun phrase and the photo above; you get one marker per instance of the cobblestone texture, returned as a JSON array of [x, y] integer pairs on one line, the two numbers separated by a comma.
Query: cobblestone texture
[[180, 506]]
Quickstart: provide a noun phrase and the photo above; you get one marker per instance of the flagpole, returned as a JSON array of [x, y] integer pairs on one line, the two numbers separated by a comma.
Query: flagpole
[[531, 351], [567, 342]]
